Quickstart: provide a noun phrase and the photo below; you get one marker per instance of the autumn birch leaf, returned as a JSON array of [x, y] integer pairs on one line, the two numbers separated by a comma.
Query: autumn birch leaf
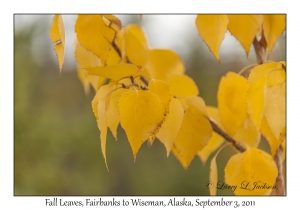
[[139, 33], [232, 103], [113, 22], [182, 85], [113, 57], [99, 109], [162, 63], [274, 26], [276, 76], [195, 129], [135, 49], [179, 157], [213, 174], [94, 35], [102, 125], [248, 133], [275, 108], [162, 90], [251, 170], [57, 36], [212, 29], [86, 58], [263, 70], [256, 100], [84, 81], [171, 125], [260, 79], [216, 140], [141, 113], [244, 28], [267, 133], [114, 72], [112, 111]]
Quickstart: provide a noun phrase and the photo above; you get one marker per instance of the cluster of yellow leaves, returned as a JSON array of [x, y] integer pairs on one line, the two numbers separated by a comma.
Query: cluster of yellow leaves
[[248, 108], [148, 93], [244, 28]]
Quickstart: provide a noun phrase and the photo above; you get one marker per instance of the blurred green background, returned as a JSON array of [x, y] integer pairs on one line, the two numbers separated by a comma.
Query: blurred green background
[[56, 139]]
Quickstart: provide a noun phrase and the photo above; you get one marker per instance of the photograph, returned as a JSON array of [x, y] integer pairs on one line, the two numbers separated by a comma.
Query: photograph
[[149, 105]]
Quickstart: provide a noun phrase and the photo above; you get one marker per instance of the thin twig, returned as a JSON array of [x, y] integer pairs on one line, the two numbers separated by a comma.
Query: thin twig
[[228, 138], [280, 189], [260, 51]]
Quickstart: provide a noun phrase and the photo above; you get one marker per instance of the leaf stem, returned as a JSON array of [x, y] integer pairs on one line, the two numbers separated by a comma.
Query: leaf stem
[[260, 51], [280, 190]]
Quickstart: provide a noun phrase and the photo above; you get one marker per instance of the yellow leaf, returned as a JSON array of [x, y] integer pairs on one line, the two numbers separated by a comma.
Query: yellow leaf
[[113, 57], [162, 90], [216, 140], [136, 50], [84, 59], [275, 108], [114, 22], [265, 70], [57, 36], [213, 174], [248, 133], [195, 130], [232, 103], [179, 157], [138, 32], [171, 125], [276, 76], [212, 29], [253, 172], [182, 85], [256, 99], [245, 28], [267, 133], [85, 82], [274, 94], [162, 63], [141, 113], [112, 111], [114, 72], [99, 109], [94, 35], [274, 26]]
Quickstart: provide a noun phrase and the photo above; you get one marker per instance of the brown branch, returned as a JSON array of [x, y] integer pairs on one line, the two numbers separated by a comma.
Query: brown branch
[[260, 50], [228, 138], [280, 185], [113, 44]]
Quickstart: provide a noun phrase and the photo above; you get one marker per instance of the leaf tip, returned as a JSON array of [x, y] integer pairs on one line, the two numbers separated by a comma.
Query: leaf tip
[[106, 165], [218, 58], [168, 153]]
